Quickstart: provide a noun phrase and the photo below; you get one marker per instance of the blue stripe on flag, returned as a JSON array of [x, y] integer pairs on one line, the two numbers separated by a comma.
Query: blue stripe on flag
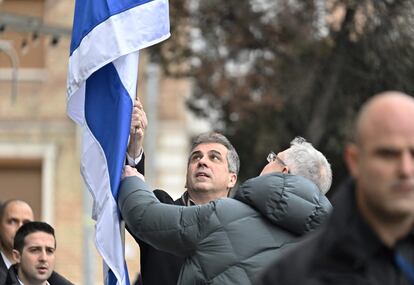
[[112, 277], [90, 13], [108, 114]]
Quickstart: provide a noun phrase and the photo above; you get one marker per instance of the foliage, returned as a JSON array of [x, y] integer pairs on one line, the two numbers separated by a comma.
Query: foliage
[[266, 71]]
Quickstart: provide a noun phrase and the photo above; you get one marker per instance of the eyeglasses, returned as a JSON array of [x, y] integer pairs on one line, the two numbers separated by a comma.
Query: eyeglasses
[[271, 157]]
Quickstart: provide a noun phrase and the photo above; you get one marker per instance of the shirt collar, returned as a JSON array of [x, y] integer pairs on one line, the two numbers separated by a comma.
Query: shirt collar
[[6, 260], [187, 201]]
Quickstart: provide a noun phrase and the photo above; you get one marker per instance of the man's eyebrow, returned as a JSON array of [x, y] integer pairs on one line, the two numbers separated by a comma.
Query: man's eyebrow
[[12, 219], [214, 152], [195, 152], [387, 149]]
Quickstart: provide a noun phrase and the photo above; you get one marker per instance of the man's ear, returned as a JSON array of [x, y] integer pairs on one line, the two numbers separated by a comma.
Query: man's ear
[[16, 256], [232, 180], [285, 170], [351, 156]]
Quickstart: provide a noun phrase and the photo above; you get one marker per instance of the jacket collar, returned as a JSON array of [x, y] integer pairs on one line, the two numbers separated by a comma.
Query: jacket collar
[[347, 232]]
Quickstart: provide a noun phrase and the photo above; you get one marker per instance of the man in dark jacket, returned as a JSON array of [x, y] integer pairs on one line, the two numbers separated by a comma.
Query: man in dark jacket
[[13, 214], [229, 241], [369, 238], [160, 267], [34, 251]]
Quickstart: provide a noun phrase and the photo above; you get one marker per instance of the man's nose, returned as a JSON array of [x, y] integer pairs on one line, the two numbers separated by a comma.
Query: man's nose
[[202, 160], [43, 255], [407, 164]]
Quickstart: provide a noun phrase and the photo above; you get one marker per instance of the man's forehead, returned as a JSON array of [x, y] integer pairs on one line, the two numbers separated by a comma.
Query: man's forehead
[[19, 210], [390, 143], [39, 239], [399, 134], [385, 116], [208, 147], [282, 153]]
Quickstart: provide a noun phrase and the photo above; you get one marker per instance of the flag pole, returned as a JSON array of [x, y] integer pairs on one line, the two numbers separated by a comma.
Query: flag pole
[[132, 164]]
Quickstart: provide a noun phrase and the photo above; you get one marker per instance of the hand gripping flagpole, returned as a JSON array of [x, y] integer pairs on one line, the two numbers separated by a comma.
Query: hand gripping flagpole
[[134, 139]]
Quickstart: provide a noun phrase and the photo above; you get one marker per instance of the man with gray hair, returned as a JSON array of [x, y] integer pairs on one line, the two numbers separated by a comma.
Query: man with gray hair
[[302, 159], [204, 186], [213, 166], [229, 241]]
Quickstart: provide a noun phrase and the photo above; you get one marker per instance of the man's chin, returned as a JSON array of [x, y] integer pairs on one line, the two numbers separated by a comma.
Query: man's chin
[[201, 187]]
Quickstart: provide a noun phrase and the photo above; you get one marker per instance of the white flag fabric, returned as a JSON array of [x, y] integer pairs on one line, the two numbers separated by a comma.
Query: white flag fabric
[[101, 85]]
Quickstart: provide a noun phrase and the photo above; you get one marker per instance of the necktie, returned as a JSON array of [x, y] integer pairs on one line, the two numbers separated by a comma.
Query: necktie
[[406, 267]]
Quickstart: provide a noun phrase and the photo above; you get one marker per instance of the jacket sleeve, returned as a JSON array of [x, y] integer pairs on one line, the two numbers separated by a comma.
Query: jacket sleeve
[[144, 248], [141, 165], [170, 228]]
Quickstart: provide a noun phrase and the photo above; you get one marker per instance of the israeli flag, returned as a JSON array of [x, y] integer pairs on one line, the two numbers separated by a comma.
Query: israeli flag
[[101, 87]]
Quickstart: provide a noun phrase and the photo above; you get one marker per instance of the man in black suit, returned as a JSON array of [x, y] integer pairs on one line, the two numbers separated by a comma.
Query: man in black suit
[[159, 267], [13, 214]]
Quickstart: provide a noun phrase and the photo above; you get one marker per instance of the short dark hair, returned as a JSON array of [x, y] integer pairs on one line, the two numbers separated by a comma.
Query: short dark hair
[[29, 228]]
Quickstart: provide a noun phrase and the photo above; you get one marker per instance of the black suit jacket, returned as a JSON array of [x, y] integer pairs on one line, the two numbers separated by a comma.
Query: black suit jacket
[[11, 278], [3, 270], [158, 267]]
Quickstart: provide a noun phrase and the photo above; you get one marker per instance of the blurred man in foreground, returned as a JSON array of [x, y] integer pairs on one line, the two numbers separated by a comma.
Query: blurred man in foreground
[[369, 239]]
